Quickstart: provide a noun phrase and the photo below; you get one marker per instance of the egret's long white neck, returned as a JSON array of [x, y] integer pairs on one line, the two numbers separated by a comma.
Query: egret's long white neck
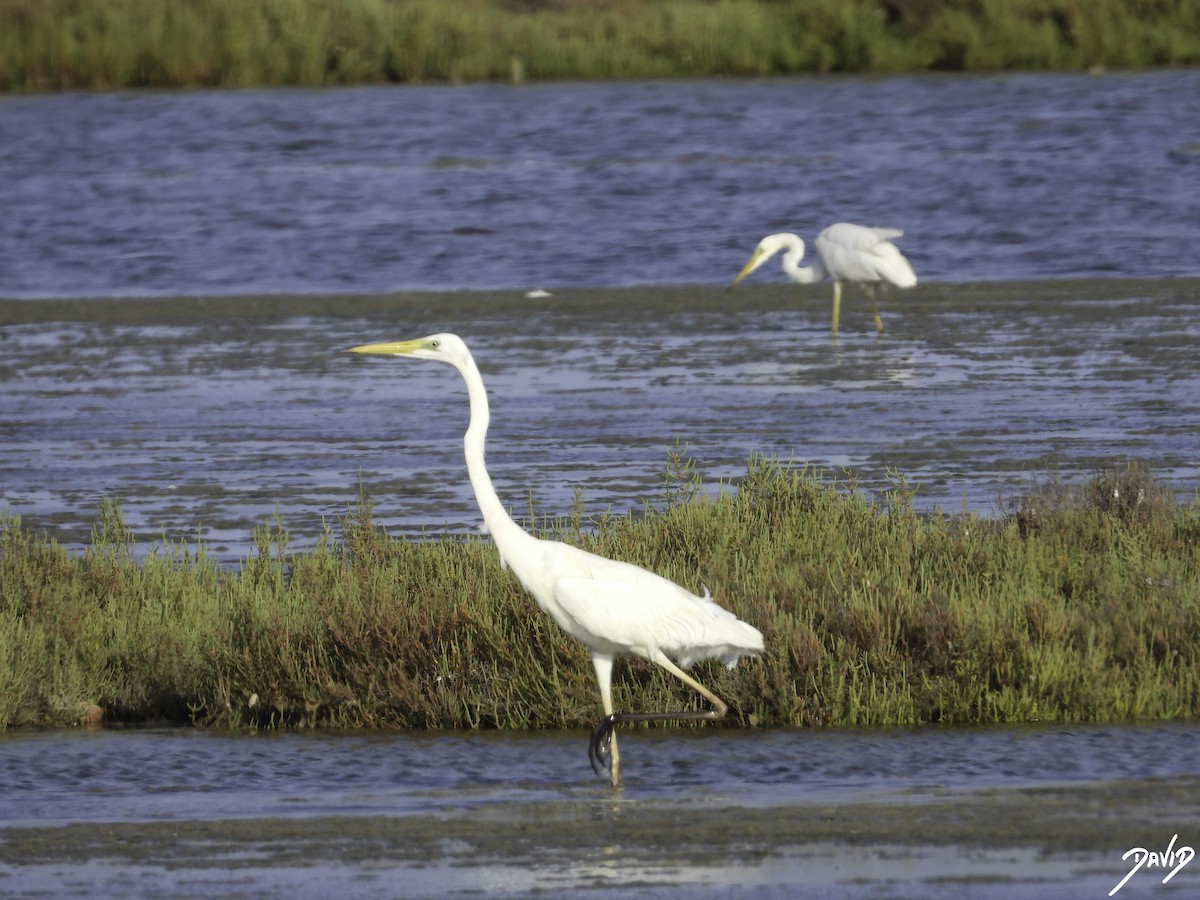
[[796, 272], [505, 532]]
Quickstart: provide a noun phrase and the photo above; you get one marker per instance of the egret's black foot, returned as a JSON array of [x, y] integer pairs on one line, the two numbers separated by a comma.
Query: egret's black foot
[[599, 751]]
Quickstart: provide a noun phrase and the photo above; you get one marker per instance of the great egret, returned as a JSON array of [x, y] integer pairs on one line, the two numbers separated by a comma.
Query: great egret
[[845, 252], [613, 607]]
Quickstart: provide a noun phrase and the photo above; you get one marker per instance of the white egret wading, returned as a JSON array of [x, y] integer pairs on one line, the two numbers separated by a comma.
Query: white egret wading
[[613, 607], [845, 252]]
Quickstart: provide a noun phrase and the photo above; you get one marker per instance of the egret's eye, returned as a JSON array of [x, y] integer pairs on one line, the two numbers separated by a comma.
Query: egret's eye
[[433, 345]]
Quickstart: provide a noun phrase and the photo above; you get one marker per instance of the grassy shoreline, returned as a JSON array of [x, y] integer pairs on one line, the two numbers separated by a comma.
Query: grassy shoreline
[[1080, 604], [48, 45]]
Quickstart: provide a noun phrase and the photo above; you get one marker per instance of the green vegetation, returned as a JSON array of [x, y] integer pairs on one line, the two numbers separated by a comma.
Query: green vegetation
[[104, 44], [1078, 604]]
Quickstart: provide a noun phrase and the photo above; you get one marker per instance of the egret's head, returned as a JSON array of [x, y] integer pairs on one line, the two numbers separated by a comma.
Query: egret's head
[[444, 347], [768, 247]]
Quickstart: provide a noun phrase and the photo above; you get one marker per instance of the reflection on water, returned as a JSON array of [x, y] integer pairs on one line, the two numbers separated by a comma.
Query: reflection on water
[[63, 777], [207, 419], [845, 813]]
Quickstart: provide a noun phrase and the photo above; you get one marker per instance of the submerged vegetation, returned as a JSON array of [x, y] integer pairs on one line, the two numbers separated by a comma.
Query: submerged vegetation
[[1078, 604], [106, 44]]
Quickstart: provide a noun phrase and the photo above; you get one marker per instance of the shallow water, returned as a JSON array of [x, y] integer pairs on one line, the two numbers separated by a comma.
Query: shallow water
[[484, 187], [894, 813], [207, 418]]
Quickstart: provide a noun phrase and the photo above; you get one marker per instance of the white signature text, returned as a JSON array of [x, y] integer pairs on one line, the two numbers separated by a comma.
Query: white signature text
[[1173, 858]]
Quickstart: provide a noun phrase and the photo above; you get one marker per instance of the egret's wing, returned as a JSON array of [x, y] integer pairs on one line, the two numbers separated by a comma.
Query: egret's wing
[[634, 611], [620, 613], [886, 234], [845, 237], [857, 253]]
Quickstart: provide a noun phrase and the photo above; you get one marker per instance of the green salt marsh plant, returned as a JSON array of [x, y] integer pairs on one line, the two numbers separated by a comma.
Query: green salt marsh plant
[[1078, 603]]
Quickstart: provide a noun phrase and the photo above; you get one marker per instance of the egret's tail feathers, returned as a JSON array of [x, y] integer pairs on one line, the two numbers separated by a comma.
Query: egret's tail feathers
[[893, 267], [723, 636], [727, 640]]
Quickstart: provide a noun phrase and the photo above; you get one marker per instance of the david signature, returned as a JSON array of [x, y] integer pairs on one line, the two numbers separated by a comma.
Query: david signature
[[1173, 858]]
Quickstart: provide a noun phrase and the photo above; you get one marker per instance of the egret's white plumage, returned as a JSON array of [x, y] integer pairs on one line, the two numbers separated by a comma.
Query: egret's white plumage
[[614, 607], [845, 252]]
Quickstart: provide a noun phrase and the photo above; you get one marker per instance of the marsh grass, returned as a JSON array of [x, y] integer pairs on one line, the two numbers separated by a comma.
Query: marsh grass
[[106, 44], [1078, 604]]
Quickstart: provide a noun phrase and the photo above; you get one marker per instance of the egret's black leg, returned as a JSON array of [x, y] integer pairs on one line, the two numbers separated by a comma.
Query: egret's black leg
[[598, 751], [603, 741], [598, 748]]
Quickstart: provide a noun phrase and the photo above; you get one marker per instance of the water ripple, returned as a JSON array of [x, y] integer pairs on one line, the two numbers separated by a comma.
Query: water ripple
[[488, 187], [57, 778]]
